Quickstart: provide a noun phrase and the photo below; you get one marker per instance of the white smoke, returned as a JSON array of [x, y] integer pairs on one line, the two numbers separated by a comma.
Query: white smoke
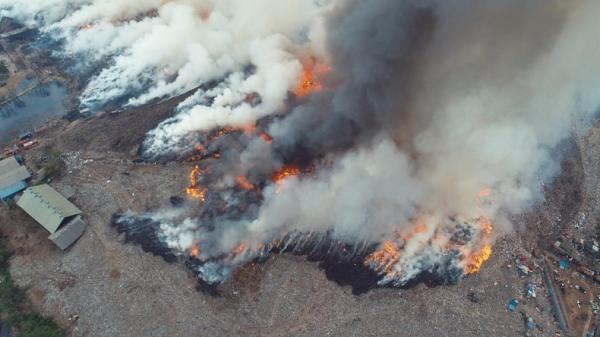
[[487, 111], [160, 49], [429, 103]]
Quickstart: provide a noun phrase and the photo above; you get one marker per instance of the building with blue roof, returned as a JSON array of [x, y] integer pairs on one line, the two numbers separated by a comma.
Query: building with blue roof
[[13, 177]]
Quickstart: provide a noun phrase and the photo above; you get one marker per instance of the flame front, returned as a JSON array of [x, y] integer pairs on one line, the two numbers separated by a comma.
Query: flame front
[[266, 137], [385, 258], [243, 182], [477, 260], [286, 172], [393, 256], [195, 191]]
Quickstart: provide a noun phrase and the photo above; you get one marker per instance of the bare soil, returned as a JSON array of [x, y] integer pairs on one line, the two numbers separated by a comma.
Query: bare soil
[[104, 287]]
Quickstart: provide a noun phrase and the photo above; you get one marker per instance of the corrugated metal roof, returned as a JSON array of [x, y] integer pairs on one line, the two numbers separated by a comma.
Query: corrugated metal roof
[[11, 174], [69, 233], [14, 176], [47, 206], [12, 190], [8, 164]]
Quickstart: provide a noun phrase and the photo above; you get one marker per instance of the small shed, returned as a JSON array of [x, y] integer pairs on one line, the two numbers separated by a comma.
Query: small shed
[[12, 177], [55, 213]]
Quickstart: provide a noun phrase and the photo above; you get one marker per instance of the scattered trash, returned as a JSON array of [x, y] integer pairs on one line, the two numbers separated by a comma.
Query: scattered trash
[[564, 264], [531, 293], [512, 305], [530, 323], [525, 270]]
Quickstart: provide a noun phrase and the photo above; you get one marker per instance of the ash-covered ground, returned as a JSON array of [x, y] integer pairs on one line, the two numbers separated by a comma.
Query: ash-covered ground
[[103, 286]]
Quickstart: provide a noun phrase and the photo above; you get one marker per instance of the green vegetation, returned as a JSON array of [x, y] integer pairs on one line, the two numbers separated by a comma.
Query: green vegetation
[[53, 165], [12, 306], [36, 326]]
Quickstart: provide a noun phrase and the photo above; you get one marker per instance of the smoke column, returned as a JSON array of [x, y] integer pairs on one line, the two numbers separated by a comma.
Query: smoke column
[[432, 120]]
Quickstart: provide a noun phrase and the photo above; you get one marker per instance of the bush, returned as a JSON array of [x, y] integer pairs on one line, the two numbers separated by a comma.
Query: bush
[[11, 298], [12, 310], [38, 326], [4, 256], [53, 165]]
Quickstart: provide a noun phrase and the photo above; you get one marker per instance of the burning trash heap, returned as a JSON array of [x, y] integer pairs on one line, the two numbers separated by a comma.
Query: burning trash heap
[[399, 135]]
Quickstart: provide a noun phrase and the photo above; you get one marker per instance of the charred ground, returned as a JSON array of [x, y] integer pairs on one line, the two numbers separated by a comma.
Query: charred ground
[[118, 289]]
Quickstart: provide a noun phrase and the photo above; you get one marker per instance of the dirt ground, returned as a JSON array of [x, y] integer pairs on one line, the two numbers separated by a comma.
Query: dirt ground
[[104, 287]]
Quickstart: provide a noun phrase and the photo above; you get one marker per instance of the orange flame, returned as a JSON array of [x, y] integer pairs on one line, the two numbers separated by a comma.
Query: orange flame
[[241, 248], [248, 129], [195, 191], [266, 137], [221, 132], [484, 193], [244, 183], [477, 259], [310, 80], [194, 251], [286, 172], [384, 259]]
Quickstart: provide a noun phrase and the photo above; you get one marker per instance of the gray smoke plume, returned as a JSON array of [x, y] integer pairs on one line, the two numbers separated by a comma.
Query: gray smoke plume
[[433, 119]]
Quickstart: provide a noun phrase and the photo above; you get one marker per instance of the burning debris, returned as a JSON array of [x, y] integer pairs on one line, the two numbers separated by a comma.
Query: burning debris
[[195, 191], [388, 135], [311, 79]]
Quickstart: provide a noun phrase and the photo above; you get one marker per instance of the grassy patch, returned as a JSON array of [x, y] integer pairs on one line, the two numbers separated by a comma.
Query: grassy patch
[[13, 309], [37, 326]]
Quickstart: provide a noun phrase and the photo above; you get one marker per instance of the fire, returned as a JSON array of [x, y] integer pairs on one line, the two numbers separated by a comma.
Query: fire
[[486, 226], [195, 191], [240, 249], [477, 260], [221, 132], [384, 259], [286, 172], [310, 80], [266, 137], [248, 129], [244, 183], [484, 193], [200, 148], [194, 251]]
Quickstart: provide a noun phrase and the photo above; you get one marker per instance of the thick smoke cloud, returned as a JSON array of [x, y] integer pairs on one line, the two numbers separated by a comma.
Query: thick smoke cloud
[[426, 104], [156, 49], [429, 104]]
